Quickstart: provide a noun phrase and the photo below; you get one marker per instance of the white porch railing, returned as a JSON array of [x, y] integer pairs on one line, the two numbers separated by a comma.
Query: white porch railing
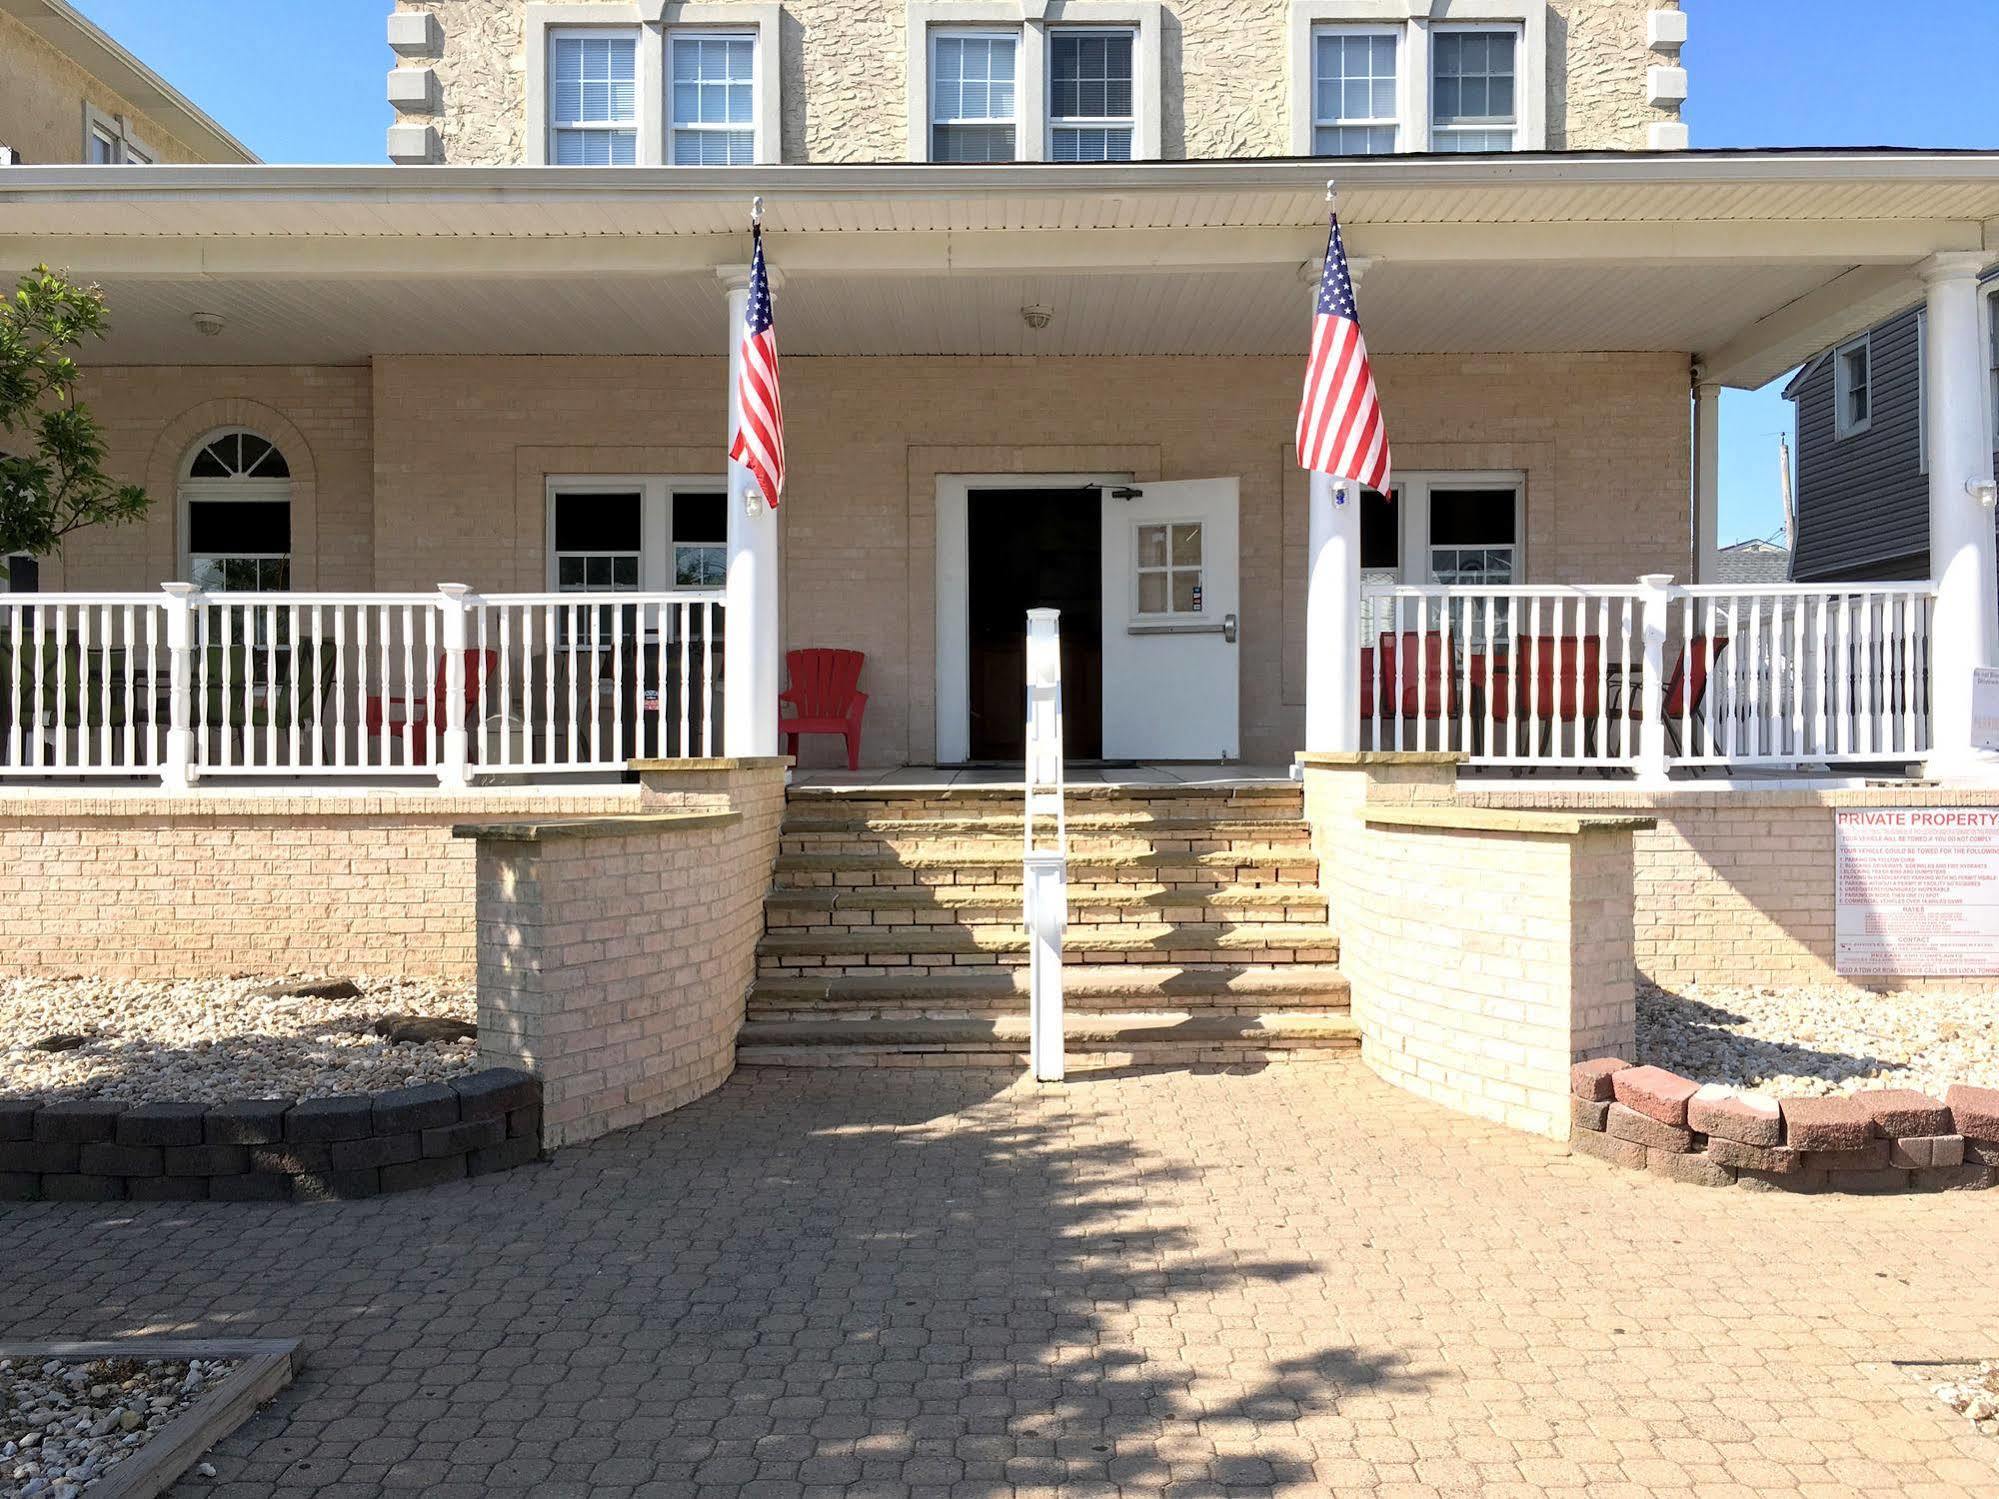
[[448, 685], [1647, 677], [1044, 845]]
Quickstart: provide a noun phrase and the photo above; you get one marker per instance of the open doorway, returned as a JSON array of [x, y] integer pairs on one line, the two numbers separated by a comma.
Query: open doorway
[[1034, 549]]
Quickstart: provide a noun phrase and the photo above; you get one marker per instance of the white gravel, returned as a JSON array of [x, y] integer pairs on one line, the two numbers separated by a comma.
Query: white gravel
[[1821, 1040], [209, 1040], [1975, 1397], [67, 1423]]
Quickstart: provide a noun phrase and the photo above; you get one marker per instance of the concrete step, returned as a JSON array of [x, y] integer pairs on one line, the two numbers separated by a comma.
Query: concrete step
[[1124, 1038], [919, 905], [1226, 988], [1259, 798], [1001, 865], [1292, 838], [1141, 824], [1259, 941]]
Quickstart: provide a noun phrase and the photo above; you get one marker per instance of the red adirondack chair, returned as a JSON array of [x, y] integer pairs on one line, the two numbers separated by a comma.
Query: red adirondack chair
[[388, 715], [825, 698]]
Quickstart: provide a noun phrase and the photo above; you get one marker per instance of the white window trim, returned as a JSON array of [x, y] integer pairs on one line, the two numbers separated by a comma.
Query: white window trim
[[192, 491], [656, 493], [1519, 125], [1098, 122], [1031, 21], [678, 34], [1313, 124], [1169, 614], [1417, 21], [1842, 428], [979, 33], [654, 20], [1412, 491], [126, 148]]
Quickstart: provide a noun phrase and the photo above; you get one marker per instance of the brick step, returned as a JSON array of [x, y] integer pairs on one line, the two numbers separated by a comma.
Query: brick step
[[997, 866], [1214, 988], [1293, 839], [1264, 942], [1121, 1038], [933, 905]]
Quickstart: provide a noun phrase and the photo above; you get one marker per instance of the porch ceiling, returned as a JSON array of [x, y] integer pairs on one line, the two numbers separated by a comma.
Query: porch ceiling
[[1751, 260]]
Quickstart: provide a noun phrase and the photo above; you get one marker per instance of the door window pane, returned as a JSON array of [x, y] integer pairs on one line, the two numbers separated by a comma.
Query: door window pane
[[1090, 109], [1472, 103], [713, 100], [700, 540], [1169, 568], [1473, 536], [593, 98], [972, 98], [1353, 93]]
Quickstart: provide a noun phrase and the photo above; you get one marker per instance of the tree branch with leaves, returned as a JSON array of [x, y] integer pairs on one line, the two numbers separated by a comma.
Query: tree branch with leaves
[[52, 478]]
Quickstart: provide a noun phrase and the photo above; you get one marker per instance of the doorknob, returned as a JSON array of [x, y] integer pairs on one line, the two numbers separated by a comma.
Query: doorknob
[[1228, 628]]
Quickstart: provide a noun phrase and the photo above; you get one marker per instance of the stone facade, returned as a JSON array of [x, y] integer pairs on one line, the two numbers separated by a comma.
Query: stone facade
[[154, 887], [43, 95], [1224, 90], [1486, 954], [615, 955]]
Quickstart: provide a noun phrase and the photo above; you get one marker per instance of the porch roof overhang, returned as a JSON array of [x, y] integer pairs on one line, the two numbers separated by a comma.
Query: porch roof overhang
[[1750, 261]]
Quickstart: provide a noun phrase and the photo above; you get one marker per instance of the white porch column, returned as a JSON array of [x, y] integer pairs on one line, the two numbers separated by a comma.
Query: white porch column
[[1707, 477], [1966, 632], [752, 648], [1332, 617]]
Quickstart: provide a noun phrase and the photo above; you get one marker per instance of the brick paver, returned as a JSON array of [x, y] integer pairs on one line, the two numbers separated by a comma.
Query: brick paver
[[948, 1283]]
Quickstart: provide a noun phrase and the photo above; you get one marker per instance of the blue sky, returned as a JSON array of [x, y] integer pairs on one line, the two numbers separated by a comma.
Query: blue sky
[[305, 83]]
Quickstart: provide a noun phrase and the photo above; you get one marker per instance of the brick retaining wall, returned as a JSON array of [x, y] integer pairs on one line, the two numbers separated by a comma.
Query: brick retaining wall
[[1883, 1140], [269, 1150]]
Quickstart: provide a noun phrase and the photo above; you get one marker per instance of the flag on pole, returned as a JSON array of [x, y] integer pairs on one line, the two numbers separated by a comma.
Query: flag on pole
[[758, 441], [1340, 431]]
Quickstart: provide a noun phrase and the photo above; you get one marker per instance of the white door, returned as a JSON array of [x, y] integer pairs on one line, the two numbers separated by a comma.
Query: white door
[[1170, 621]]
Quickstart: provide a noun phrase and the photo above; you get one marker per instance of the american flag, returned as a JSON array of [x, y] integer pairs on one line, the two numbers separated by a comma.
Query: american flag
[[1340, 431], [758, 443]]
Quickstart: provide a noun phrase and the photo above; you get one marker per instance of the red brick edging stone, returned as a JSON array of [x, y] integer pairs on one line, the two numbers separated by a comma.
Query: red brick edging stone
[[269, 1149], [1885, 1140]]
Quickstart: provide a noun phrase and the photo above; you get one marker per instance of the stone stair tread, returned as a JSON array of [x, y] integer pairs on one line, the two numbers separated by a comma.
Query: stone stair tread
[[997, 937], [1284, 857], [952, 897], [1286, 793], [1113, 1028], [1009, 823], [1243, 981]]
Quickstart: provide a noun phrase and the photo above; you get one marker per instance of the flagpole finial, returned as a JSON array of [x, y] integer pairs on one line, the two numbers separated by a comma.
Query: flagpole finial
[[1333, 193], [756, 213]]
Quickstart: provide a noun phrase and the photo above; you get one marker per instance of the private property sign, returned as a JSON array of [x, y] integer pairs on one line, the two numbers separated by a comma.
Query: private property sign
[[1918, 891]]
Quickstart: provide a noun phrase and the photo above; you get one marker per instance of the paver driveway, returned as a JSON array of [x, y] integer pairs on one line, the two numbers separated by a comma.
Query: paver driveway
[[873, 1282]]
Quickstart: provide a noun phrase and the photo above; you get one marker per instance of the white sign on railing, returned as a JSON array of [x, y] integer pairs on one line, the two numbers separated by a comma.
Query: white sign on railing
[[1045, 844]]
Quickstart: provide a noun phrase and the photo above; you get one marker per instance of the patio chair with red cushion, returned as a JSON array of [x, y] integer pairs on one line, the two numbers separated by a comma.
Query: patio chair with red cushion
[[1558, 679], [1686, 688], [390, 715], [824, 698]]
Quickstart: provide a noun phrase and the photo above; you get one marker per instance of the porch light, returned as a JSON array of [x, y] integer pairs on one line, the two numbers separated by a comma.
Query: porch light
[[1036, 316], [1984, 491]]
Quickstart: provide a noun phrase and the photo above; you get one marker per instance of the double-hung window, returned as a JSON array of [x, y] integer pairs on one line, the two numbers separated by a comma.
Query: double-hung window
[[107, 141], [1090, 94], [593, 98], [1852, 388], [1474, 103], [974, 98], [598, 540], [1355, 110], [712, 102]]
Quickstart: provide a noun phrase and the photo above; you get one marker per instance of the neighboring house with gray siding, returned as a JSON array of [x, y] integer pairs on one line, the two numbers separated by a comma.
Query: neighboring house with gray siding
[[1863, 470]]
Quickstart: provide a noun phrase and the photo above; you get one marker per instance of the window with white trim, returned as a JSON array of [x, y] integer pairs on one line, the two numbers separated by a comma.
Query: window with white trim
[[1091, 98], [236, 506], [974, 98], [1355, 91], [1852, 388], [700, 524], [593, 97], [711, 103], [599, 540], [1473, 89], [1168, 569]]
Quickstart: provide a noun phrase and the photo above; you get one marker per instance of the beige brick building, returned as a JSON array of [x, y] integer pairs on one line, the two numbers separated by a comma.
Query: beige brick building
[[69, 93]]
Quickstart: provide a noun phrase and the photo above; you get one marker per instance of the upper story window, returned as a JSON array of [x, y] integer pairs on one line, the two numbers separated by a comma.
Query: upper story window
[[1355, 108], [611, 83], [712, 110], [1472, 90], [1371, 76], [974, 96], [593, 98], [1852, 392], [987, 83], [108, 141], [1091, 99]]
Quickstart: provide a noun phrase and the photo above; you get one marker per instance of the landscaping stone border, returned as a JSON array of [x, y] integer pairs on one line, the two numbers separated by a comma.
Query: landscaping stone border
[[1883, 1140], [269, 1149], [264, 1367]]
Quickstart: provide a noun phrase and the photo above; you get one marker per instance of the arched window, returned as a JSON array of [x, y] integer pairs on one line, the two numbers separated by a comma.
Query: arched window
[[236, 514]]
